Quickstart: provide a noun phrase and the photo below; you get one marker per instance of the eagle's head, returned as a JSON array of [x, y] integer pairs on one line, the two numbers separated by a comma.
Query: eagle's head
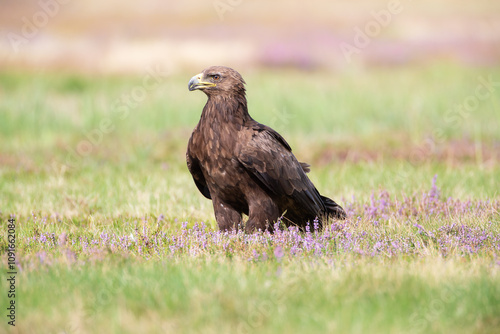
[[218, 80]]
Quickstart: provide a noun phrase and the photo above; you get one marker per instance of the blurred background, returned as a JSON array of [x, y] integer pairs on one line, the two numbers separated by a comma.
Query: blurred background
[[123, 36], [95, 113]]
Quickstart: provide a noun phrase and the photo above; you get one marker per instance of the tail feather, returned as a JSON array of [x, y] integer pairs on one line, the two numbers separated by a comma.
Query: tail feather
[[305, 167], [333, 210]]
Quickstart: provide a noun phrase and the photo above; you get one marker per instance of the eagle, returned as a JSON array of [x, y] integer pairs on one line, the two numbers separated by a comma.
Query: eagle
[[246, 167]]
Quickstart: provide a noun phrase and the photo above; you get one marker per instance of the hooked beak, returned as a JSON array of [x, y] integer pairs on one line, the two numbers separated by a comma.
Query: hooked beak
[[197, 83]]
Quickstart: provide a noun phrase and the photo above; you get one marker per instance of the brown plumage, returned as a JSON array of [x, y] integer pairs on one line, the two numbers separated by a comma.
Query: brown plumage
[[247, 167]]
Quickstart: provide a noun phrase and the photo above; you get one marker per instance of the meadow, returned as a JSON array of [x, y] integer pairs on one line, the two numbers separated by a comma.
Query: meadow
[[112, 235]]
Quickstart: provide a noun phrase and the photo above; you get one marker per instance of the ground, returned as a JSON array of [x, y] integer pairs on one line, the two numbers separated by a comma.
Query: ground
[[113, 236]]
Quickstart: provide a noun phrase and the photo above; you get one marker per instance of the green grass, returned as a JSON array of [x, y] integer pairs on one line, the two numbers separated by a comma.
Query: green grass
[[323, 115], [232, 296], [386, 129]]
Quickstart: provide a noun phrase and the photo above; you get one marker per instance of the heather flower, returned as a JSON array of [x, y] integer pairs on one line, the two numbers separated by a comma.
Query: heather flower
[[278, 253], [434, 192], [364, 233], [62, 239]]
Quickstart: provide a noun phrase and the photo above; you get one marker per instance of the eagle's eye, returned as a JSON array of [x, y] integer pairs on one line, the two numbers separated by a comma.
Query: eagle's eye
[[216, 77]]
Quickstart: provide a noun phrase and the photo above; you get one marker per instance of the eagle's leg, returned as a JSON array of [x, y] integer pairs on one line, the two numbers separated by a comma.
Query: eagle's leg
[[227, 217], [263, 213]]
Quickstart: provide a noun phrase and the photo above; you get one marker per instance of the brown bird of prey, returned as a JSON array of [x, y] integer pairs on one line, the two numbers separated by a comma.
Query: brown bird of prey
[[247, 167]]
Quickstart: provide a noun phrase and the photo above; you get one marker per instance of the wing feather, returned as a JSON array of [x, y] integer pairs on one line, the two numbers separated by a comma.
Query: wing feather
[[198, 177], [268, 157]]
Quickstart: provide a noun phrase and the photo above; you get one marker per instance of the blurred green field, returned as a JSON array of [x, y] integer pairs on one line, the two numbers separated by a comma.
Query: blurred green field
[[81, 155], [214, 296], [384, 128]]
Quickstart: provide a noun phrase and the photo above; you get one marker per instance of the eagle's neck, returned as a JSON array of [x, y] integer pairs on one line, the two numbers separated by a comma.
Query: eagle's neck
[[226, 109]]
